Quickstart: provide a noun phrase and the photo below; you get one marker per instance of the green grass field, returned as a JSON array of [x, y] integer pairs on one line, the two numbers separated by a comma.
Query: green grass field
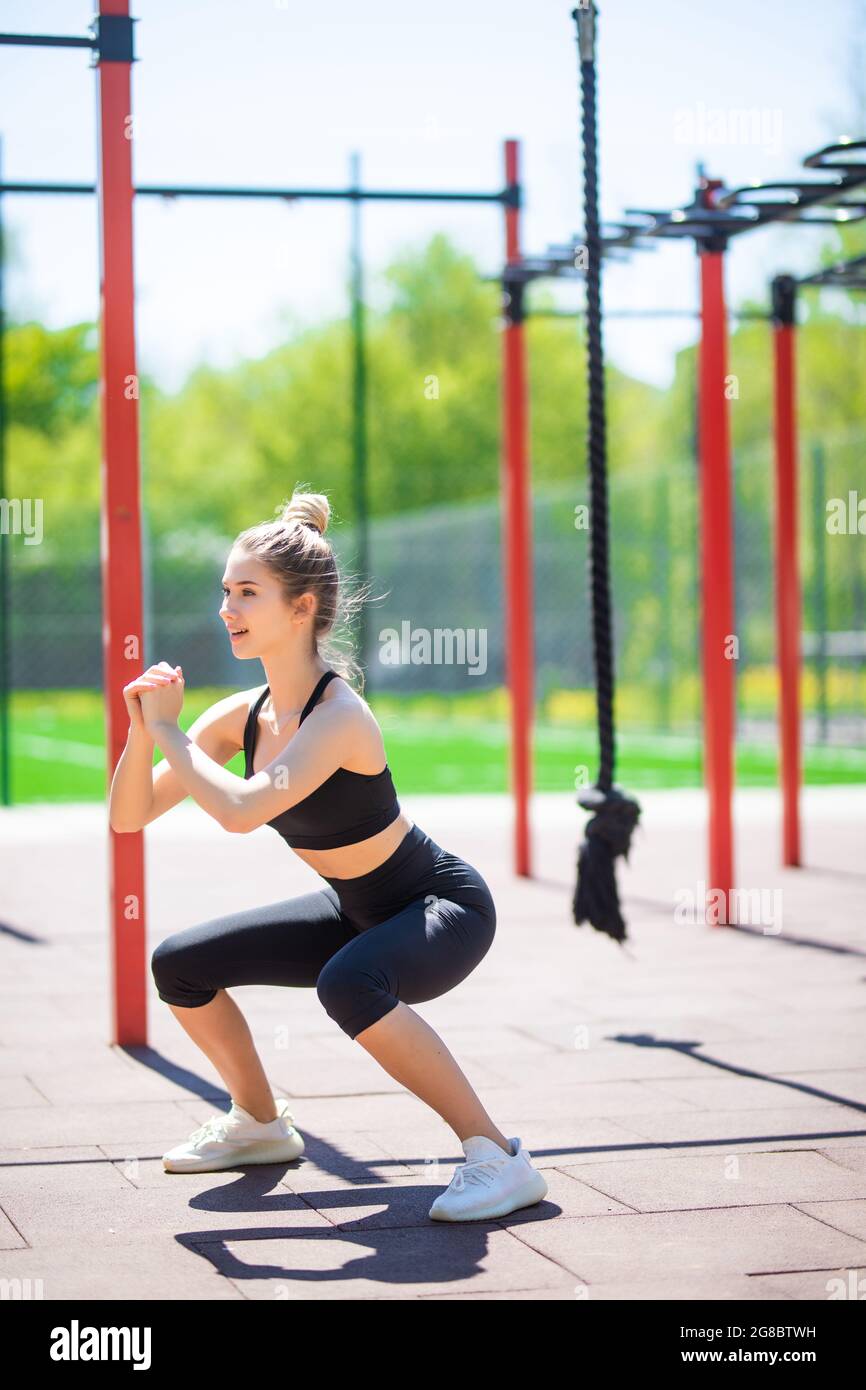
[[434, 744]]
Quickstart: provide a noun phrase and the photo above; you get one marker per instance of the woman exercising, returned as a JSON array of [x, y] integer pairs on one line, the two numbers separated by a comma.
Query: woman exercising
[[401, 920]]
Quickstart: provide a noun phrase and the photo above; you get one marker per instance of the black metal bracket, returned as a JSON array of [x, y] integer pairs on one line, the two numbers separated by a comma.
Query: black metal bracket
[[511, 195], [513, 301], [784, 300], [113, 38]]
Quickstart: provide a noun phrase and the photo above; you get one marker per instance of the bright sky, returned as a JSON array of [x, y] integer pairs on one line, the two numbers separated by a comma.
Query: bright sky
[[277, 92]]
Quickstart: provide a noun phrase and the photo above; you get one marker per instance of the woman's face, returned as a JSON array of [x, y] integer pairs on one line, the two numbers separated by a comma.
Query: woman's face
[[255, 607]]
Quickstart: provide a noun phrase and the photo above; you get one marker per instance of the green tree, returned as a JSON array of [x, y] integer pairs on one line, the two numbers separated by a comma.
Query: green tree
[[51, 376]]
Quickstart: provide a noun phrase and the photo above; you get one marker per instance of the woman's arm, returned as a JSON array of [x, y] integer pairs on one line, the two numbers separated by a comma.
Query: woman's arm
[[199, 776], [140, 792], [322, 743], [132, 784]]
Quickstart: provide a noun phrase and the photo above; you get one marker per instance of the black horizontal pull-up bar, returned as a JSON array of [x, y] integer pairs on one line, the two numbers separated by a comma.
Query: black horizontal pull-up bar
[[509, 196], [48, 40], [847, 275], [110, 38], [641, 314]]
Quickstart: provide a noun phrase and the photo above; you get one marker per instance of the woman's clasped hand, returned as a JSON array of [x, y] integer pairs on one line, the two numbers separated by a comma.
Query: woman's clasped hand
[[156, 696]]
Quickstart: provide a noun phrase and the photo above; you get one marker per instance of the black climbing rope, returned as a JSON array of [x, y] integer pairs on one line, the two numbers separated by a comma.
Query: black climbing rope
[[608, 832]]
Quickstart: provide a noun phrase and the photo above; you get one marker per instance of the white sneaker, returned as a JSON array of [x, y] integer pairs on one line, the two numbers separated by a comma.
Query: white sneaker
[[490, 1183], [234, 1139]]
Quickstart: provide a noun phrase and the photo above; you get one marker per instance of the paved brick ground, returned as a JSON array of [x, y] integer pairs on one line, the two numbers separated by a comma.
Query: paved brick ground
[[698, 1104]]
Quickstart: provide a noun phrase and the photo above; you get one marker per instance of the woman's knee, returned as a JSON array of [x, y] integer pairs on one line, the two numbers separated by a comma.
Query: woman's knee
[[355, 996], [177, 970]]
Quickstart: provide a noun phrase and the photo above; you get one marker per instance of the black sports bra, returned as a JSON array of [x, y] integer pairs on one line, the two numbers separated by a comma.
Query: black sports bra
[[345, 808]]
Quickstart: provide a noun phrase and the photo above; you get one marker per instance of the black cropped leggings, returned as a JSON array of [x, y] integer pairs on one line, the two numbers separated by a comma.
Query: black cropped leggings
[[409, 930]]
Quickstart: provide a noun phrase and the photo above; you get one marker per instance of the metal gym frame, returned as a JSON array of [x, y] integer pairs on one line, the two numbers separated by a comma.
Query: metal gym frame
[[848, 275], [711, 220], [111, 43]]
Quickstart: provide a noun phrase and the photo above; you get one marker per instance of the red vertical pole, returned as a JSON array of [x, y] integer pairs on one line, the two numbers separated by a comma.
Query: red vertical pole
[[786, 566], [120, 518], [516, 529], [717, 576]]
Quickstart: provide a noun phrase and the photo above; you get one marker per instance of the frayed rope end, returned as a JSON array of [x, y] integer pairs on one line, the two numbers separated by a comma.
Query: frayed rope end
[[608, 834]]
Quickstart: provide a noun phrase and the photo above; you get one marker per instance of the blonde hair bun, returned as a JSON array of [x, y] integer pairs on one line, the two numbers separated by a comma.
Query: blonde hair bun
[[308, 509]]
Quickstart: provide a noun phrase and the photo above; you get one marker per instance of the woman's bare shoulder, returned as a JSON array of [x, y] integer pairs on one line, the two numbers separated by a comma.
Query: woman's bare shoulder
[[341, 691], [358, 714]]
